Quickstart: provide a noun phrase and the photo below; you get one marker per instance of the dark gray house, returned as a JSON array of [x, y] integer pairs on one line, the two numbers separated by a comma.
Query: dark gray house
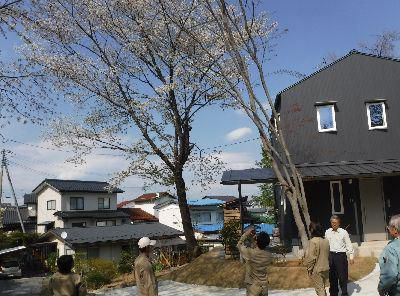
[[342, 127]]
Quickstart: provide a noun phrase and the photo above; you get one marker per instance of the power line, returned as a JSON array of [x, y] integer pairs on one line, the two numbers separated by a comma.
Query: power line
[[56, 149]]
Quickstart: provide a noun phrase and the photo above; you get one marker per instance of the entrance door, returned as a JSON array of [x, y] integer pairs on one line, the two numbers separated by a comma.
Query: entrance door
[[392, 196], [373, 213]]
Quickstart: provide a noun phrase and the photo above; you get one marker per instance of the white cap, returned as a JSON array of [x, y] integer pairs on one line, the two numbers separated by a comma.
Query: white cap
[[145, 241]]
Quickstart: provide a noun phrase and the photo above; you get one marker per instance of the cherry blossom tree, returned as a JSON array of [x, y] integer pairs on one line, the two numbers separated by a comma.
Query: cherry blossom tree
[[19, 87], [137, 80]]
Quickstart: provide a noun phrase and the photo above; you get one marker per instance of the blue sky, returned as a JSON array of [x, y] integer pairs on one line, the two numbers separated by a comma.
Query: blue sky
[[315, 29]]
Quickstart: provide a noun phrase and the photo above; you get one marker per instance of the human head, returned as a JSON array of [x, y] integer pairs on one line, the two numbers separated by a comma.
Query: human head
[[145, 245], [394, 226], [316, 230], [65, 264], [262, 240], [335, 222]]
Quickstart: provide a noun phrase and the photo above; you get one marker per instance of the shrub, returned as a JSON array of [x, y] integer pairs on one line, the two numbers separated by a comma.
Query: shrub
[[95, 272], [96, 279], [230, 235], [125, 263], [52, 262]]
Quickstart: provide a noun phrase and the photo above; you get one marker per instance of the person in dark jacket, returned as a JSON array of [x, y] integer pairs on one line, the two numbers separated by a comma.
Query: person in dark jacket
[[389, 262]]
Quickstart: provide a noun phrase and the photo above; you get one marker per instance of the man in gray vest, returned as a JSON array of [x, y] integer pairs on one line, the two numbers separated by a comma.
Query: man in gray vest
[[389, 262]]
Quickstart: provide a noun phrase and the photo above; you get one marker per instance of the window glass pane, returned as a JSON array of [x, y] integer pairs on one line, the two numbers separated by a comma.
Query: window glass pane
[[76, 203], [326, 117], [101, 223], [106, 203], [376, 115]]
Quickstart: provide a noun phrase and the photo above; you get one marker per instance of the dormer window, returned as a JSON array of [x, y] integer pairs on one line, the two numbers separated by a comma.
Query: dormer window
[[376, 112], [326, 117]]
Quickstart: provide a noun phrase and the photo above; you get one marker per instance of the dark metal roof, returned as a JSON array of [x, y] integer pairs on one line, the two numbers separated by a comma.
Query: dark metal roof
[[92, 214], [30, 198], [10, 216], [353, 51], [166, 203], [316, 171], [153, 230], [77, 186], [248, 176], [225, 198]]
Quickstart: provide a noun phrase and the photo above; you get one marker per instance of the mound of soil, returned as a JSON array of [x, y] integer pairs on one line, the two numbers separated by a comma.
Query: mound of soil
[[212, 270]]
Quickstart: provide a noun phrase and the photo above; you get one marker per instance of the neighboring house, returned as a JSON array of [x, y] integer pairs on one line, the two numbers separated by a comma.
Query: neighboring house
[[11, 220], [342, 127], [108, 242], [74, 203], [137, 215], [147, 201], [28, 212]]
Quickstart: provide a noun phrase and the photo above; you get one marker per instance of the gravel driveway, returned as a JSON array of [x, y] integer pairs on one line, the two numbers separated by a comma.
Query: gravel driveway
[[365, 287], [18, 287]]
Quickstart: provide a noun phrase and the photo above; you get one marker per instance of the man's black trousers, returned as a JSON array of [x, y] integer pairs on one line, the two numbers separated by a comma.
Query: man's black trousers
[[338, 271]]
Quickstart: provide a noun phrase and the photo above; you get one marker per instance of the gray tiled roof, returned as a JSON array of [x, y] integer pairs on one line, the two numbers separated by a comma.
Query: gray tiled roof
[[10, 216], [92, 214], [77, 186], [30, 198], [316, 171], [83, 235]]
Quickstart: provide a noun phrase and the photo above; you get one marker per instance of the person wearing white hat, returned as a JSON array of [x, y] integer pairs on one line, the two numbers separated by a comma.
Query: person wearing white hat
[[146, 282]]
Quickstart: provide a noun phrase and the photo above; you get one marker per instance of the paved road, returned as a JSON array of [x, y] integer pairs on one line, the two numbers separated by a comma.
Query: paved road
[[18, 287], [364, 287]]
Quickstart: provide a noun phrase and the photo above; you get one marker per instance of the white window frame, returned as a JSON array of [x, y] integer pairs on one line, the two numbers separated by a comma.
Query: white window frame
[[52, 205], [384, 126], [333, 199], [333, 129]]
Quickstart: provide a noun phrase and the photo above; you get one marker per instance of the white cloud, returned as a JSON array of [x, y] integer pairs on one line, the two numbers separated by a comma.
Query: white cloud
[[238, 133]]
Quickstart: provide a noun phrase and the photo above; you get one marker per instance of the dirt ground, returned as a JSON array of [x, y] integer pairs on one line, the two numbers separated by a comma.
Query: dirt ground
[[213, 271]]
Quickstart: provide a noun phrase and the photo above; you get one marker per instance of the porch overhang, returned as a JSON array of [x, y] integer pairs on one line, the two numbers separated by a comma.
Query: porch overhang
[[310, 171]]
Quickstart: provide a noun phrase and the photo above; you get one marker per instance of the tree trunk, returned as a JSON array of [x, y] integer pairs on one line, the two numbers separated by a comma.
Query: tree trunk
[[185, 213], [298, 220]]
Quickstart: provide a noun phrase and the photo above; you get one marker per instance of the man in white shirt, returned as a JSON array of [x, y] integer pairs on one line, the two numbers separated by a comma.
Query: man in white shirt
[[339, 245]]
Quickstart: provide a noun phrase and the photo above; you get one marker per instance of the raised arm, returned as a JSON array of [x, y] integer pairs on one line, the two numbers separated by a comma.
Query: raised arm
[[245, 251]]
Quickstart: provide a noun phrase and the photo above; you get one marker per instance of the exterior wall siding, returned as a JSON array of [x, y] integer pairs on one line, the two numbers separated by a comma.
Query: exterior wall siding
[[351, 82], [170, 215], [48, 215], [90, 200]]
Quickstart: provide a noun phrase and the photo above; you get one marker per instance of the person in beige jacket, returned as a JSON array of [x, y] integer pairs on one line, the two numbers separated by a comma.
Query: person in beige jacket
[[317, 258], [146, 282], [65, 282], [257, 260]]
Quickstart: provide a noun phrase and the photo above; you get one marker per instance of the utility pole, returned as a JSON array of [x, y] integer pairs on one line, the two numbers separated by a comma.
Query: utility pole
[[4, 166]]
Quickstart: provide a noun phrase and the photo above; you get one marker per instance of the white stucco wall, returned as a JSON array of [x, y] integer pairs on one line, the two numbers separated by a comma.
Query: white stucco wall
[[170, 216], [146, 206], [47, 215]]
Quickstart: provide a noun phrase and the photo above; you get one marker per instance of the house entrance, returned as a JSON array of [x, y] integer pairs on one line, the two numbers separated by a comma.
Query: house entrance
[[373, 213]]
